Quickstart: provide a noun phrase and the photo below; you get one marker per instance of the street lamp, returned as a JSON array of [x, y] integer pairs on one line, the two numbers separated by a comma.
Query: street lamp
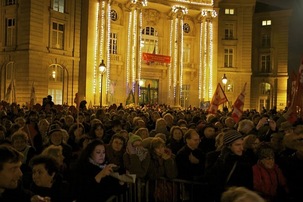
[[224, 81], [102, 69]]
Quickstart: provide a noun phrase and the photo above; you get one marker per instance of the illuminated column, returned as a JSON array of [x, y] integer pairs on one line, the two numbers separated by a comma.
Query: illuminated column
[[206, 68], [176, 46], [134, 55]]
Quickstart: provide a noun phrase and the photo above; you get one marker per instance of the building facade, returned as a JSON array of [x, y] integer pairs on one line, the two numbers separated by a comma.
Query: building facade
[[173, 52]]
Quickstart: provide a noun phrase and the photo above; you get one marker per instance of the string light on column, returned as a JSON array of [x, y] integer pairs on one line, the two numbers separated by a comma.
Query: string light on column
[[108, 68], [128, 50], [200, 61], [96, 48], [170, 54]]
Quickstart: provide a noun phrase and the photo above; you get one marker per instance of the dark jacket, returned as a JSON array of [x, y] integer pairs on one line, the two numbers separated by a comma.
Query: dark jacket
[[217, 176], [16, 195], [186, 169]]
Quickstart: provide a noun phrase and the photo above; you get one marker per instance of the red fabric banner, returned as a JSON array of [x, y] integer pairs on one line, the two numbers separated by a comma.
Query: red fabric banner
[[238, 106], [149, 57]]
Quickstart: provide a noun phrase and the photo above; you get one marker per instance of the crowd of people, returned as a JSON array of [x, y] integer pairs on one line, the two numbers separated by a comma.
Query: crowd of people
[[60, 153]]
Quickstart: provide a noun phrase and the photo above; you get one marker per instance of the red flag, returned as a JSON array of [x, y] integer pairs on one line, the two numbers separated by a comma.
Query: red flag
[[219, 98], [33, 96], [297, 99], [238, 105]]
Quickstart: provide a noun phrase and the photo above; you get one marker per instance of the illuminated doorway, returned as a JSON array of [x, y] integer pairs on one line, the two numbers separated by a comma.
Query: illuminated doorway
[[148, 91]]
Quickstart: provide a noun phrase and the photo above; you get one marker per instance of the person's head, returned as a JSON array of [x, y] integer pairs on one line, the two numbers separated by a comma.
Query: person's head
[[10, 163], [240, 194], [135, 140], [251, 142], [266, 156], [19, 140], [43, 125], [169, 119], [142, 132], [94, 151], [55, 152], [233, 140], [160, 124], [55, 134], [176, 133], [97, 130], [20, 121], [245, 126], [208, 131], [76, 131], [44, 170], [229, 122], [33, 117], [117, 142], [69, 120], [157, 146], [192, 139]]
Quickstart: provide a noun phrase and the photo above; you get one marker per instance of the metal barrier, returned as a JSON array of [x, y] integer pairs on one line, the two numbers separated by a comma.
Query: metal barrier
[[164, 190]]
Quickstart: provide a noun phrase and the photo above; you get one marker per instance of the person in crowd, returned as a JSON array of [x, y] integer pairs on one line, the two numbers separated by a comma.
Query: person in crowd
[[190, 159], [161, 127], [232, 168], [175, 142], [142, 132], [162, 164], [207, 134], [47, 181], [96, 130], [212, 156], [169, 119], [136, 158], [240, 194], [81, 119], [246, 127], [92, 175], [229, 123], [250, 145], [43, 126], [31, 129], [56, 152], [56, 138], [20, 142], [115, 127], [266, 127], [268, 179], [20, 121], [276, 142], [69, 121], [76, 135], [115, 151], [11, 190]]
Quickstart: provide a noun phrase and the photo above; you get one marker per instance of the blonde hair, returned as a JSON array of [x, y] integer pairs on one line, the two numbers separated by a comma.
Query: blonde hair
[[19, 134], [240, 194], [53, 151]]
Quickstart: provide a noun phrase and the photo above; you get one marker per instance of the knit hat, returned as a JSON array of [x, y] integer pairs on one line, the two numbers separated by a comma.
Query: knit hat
[[231, 136], [133, 138]]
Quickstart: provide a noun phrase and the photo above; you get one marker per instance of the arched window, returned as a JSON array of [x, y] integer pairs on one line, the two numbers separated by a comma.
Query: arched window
[[57, 83], [149, 43]]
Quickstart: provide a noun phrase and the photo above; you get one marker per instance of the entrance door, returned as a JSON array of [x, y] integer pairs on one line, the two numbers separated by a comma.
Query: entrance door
[[148, 92]]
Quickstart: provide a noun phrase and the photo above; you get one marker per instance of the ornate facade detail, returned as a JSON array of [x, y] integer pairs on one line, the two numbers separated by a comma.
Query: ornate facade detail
[[151, 16]]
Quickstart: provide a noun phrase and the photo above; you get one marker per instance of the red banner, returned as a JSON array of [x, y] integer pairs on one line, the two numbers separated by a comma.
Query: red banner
[[149, 57]]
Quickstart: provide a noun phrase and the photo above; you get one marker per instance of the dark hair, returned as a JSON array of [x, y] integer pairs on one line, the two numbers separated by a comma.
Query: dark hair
[[50, 163], [9, 155], [87, 152], [188, 134], [94, 126], [120, 137]]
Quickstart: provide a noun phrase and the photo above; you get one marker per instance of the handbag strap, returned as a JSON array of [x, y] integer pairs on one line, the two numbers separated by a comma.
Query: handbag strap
[[231, 172]]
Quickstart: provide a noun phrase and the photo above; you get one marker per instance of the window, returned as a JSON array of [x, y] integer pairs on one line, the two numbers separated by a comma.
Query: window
[[113, 43], [10, 32], [229, 31], [10, 2], [149, 43], [55, 73], [266, 22], [265, 63], [58, 5], [57, 35], [265, 89], [229, 11], [229, 87], [228, 57], [265, 41]]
